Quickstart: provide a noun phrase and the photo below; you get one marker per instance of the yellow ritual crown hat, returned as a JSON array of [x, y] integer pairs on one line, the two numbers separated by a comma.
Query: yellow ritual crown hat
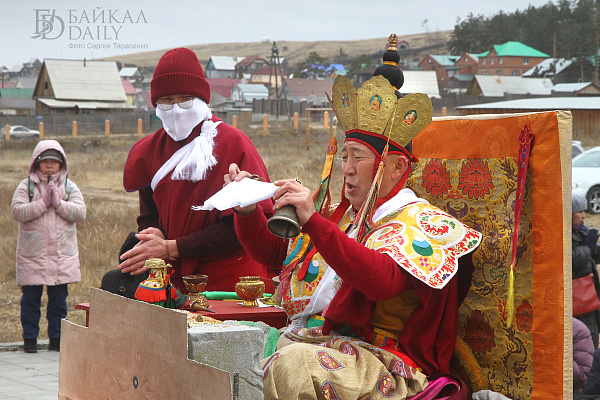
[[375, 110]]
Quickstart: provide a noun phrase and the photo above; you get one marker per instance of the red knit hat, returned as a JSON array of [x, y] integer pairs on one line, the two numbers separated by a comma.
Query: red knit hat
[[179, 72]]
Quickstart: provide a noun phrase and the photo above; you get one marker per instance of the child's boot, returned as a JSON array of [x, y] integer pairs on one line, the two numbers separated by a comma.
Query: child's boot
[[30, 345], [54, 344]]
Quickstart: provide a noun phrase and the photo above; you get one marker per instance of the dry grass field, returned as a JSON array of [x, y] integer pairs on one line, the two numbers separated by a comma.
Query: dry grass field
[[96, 166]]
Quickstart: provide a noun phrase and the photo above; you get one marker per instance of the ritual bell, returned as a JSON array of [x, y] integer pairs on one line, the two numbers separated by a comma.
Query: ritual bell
[[284, 222]]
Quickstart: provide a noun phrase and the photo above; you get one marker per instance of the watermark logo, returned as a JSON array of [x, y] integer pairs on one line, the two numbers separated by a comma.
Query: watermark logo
[[89, 28], [48, 25]]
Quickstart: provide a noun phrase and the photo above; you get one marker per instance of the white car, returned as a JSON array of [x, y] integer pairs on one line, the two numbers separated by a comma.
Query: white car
[[22, 132], [586, 178], [577, 149]]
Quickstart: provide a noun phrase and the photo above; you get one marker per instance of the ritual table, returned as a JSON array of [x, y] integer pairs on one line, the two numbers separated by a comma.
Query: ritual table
[[233, 310], [229, 310]]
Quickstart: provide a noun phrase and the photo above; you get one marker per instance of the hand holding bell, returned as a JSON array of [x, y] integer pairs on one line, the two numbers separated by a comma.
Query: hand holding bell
[[291, 194]]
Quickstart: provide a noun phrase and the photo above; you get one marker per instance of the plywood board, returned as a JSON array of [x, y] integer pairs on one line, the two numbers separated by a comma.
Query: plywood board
[[133, 350]]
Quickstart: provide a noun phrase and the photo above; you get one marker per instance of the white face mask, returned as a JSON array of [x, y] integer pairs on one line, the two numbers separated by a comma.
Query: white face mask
[[179, 122]]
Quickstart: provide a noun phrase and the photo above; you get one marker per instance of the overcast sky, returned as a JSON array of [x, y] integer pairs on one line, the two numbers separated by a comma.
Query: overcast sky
[[77, 29]]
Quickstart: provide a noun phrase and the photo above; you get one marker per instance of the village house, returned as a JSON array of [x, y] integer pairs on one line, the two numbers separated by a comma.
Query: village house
[[414, 81], [563, 70], [467, 64], [133, 75], [499, 86], [16, 101], [147, 98], [421, 82], [585, 111], [365, 74], [17, 71], [26, 82], [133, 95], [147, 73], [248, 66], [510, 58], [75, 87], [222, 67], [33, 65], [247, 92], [443, 65], [268, 75], [402, 46], [576, 89], [222, 87], [3, 73], [310, 90]]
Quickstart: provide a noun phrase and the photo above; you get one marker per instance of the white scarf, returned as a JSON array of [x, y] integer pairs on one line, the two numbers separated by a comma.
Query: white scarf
[[196, 158], [403, 198]]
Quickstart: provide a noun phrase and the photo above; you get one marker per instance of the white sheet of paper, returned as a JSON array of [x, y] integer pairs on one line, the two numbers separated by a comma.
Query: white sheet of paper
[[242, 193]]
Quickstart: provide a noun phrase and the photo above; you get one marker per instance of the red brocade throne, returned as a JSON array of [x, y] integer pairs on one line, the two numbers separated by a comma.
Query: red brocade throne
[[468, 166]]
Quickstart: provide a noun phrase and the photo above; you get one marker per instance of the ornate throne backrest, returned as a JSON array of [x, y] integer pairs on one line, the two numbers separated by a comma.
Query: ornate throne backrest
[[468, 167]]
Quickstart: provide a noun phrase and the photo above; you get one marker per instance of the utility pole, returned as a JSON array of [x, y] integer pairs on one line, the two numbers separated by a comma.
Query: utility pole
[[275, 69], [597, 47]]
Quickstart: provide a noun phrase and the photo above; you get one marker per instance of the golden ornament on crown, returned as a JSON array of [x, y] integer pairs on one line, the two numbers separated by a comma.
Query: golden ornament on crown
[[375, 108]]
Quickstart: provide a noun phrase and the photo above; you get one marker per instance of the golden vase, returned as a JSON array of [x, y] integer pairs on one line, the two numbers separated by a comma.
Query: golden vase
[[250, 289]]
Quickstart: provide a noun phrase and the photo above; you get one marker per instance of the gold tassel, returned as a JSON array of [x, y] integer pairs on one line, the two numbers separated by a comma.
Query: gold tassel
[[472, 369], [510, 302], [362, 217]]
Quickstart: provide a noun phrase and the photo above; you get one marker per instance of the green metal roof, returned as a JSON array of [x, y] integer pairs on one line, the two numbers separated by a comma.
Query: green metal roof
[[445, 59], [16, 93], [517, 49]]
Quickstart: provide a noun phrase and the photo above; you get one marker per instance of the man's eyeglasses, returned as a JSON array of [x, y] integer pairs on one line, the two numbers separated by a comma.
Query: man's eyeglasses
[[169, 105]]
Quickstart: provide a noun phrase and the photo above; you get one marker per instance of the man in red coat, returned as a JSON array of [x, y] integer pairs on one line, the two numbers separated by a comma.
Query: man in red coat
[[183, 164], [386, 289]]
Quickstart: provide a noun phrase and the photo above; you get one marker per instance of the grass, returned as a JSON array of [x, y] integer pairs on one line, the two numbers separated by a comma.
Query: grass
[[96, 166]]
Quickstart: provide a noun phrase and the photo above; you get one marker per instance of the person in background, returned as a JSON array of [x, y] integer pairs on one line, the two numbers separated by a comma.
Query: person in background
[[585, 255], [583, 353], [591, 387], [47, 206], [181, 165]]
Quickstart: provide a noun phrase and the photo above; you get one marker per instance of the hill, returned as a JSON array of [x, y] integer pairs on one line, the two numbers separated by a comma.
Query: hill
[[296, 51]]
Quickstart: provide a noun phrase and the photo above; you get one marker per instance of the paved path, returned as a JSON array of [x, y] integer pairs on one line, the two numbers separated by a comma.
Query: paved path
[[26, 376]]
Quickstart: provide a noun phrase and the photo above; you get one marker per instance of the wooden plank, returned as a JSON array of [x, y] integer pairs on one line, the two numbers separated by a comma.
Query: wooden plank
[[133, 350]]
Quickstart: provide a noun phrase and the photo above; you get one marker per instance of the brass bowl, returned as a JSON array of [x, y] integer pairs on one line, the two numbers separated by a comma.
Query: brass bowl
[[195, 283], [249, 289], [276, 281]]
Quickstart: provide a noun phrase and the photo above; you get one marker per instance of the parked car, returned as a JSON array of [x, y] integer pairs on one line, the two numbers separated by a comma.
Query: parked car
[[586, 178], [577, 148], [22, 132]]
